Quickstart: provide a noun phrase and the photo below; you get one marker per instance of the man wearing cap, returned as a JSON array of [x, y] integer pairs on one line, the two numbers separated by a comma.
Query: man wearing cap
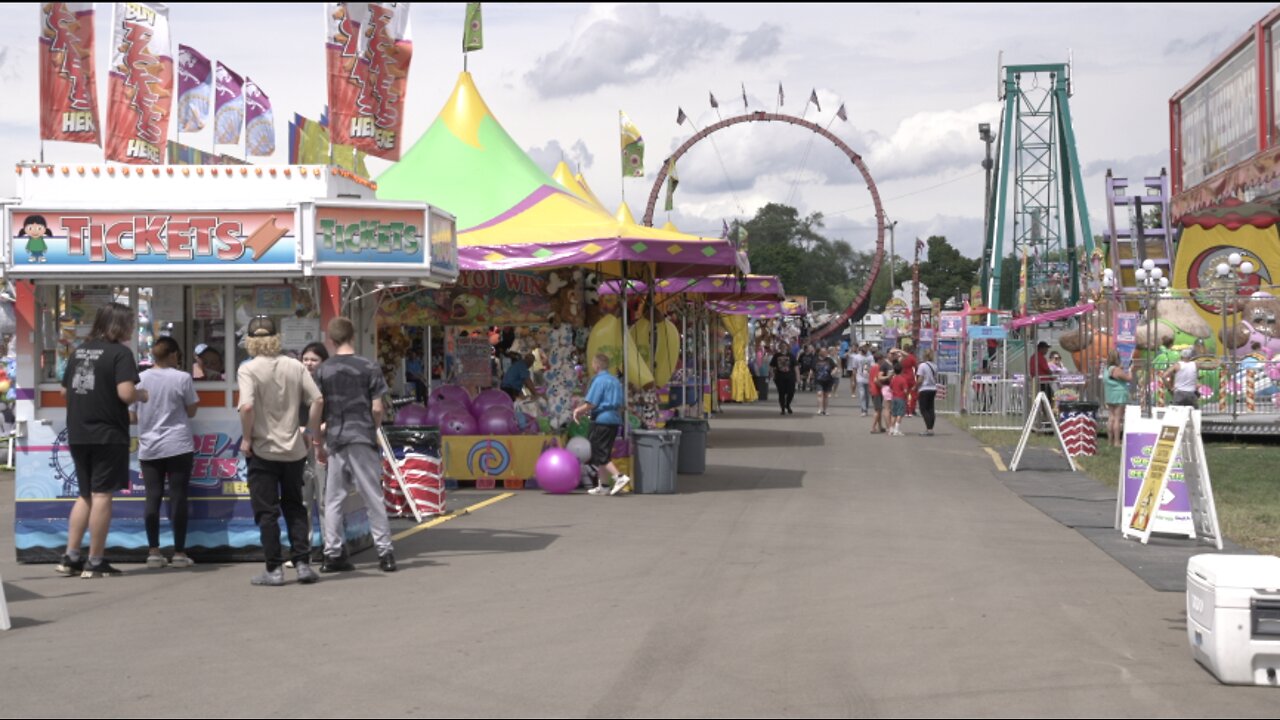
[[1185, 377], [272, 387], [208, 365], [1040, 370]]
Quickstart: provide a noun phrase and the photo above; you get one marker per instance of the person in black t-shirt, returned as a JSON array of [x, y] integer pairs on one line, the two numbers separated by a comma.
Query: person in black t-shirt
[[783, 369], [100, 383]]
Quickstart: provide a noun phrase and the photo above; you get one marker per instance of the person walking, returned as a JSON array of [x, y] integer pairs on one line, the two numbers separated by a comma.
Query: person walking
[[166, 449], [824, 371], [100, 383], [806, 360], [1041, 373], [1115, 390], [1185, 379], [900, 387], [313, 356], [272, 388], [351, 392], [603, 405], [908, 360], [875, 388], [862, 378], [927, 390], [782, 369]]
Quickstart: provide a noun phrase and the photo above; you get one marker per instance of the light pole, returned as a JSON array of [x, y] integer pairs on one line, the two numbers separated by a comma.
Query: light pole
[[1151, 282], [984, 134], [1231, 274]]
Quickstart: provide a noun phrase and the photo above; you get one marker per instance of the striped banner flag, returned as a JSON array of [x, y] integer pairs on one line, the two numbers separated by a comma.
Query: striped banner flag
[[68, 95], [140, 93]]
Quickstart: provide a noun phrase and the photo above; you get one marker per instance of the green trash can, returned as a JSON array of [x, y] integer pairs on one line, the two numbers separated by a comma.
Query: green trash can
[[656, 453], [693, 444]]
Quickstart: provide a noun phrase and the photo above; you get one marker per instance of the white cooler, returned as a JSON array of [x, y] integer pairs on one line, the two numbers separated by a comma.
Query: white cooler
[[1233, 617]]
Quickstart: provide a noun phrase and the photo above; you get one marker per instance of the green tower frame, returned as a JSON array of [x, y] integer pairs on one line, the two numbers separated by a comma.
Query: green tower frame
[[1040, 169]]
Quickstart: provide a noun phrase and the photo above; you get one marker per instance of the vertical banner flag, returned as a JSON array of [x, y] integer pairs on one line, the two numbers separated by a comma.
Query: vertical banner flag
[[141, 85], [473, 35], [368, 52], [259, 124], [632, 148], [68, 98], [228, 113], [781, 97], [195, 88], [813, 98], [842, 113], [672, 181]]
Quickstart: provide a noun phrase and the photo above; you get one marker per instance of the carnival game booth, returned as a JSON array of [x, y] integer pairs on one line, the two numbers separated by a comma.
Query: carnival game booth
[[532, 252], [198, 252], [754, 326], [683, 371]]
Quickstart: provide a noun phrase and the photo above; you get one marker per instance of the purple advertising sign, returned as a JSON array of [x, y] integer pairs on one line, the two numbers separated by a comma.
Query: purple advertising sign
[[1175, 505], [195, 88]]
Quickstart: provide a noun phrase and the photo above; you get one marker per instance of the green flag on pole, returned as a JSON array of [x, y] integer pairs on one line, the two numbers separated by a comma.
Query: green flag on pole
[[672, 181], [632, 147], [473, 35]]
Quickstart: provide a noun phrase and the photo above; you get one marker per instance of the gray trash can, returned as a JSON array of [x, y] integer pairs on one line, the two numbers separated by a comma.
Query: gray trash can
[[693, 444], [656, 453]]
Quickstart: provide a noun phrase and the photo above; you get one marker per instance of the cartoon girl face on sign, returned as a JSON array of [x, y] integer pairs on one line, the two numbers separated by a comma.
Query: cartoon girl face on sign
[[34, 229]]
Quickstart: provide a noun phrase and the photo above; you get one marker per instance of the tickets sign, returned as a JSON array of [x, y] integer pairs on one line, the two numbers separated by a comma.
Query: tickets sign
[[371, 235], [58, 241]]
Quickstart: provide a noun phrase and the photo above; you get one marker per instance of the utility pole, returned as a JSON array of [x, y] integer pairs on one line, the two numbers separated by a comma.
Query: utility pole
[[893, 258]]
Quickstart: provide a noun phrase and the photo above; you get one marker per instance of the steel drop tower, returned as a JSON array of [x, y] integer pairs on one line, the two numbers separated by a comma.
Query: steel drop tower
[[1038, 205]]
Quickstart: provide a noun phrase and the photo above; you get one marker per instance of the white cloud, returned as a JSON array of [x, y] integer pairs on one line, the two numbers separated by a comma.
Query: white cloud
[[620, 44], [578, 156], [763, 42]]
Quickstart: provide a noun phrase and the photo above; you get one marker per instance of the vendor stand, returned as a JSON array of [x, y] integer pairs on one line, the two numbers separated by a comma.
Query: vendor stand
[[516, 221], [197, 252]]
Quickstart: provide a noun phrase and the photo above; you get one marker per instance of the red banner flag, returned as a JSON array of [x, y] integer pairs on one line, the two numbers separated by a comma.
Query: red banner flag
[[368, 52], [141, 85], [68, 99]]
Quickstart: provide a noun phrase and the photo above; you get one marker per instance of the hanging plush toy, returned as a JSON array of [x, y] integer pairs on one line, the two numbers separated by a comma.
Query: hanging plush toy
[[560, 377]]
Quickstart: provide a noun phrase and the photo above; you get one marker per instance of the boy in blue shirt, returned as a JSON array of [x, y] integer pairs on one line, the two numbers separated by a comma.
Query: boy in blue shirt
[[604, 403]]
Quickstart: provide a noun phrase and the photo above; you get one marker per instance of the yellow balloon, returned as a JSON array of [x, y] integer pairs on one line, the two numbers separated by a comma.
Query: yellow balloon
[[606, 337], [667, 339]]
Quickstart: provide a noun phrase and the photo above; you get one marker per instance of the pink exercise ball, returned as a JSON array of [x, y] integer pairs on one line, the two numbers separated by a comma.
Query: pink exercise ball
[[496, 421], [457, 421], [557, 471], [438, 408], [413, 414], [451, 392], [490, 398]]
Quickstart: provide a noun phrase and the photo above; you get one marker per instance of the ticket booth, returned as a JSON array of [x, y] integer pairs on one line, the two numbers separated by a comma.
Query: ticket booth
[[196, 251]]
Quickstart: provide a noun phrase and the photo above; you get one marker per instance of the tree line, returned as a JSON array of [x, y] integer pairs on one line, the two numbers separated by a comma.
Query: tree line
[[781, 242]]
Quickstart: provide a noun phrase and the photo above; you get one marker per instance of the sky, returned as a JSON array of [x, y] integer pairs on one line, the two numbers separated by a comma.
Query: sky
[[916, 81]]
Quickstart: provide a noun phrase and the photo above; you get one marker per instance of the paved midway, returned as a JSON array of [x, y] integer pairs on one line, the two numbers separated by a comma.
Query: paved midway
[[814, 571]]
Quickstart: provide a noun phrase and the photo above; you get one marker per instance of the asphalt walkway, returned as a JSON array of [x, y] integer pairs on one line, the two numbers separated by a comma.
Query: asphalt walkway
[[814, 571]]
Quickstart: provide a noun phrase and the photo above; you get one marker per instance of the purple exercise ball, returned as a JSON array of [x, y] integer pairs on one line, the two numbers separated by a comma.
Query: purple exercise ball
[[558, 471], [413, 414], [438, 408], [451, 392], [490, 398], [457, 421], [496, 421]]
